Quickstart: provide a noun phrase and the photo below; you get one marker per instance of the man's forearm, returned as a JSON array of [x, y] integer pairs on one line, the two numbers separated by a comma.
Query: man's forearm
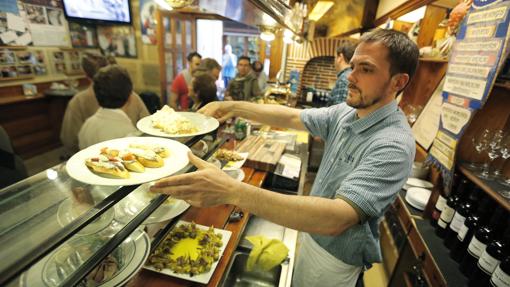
[[304, 213], [273, 115]]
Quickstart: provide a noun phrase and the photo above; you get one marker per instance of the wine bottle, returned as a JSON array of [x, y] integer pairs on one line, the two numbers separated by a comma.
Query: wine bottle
[[483, 236], [471, 224], [490, 259], [440, 201], [464, 209], [449, 209], [501, 276]]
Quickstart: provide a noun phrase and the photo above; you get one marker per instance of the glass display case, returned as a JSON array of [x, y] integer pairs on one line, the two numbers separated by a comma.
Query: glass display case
[[56, 231]]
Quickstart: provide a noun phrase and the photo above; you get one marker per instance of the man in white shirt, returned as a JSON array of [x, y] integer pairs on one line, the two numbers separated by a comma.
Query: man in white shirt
[[112, 87]]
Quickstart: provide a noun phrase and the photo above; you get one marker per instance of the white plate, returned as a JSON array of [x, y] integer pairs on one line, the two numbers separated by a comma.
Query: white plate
[[415, 182], [140, 198], [204, 124], [237, 174], [204, 277], [418, 197], [178, 159], [136, 249], [232, 165]]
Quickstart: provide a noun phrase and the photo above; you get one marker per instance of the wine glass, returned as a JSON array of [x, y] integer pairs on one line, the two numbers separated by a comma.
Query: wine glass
[[493, 152], [480, 143], [505, 154]]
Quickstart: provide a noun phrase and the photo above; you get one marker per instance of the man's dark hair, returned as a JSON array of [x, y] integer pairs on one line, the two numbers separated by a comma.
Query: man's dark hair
[[402, 52], [193, 54], [244, 58], [259, 68], [93, 62], [346, 48], [207, 65], [112, 86], [205, 87]]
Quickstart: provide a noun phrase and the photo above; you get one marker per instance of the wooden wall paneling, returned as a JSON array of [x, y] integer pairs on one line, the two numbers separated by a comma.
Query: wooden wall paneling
[[428, 75], [276, 55], [401, 10], [433, 16], [494, 115]]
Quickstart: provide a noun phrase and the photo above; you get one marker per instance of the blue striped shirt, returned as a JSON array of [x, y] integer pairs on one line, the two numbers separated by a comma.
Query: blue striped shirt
[[366, 162], [340, 90]]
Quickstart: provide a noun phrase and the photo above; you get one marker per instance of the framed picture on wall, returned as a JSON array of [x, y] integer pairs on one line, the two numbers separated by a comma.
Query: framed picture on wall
[[83, 36], [118, 41]]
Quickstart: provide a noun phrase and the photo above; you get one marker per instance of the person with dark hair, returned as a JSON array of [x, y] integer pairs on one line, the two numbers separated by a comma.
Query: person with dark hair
[[113, 88], [368, 156], [179, 99], [203, 90], [258, 69], [84, 104], [209, 66], [244, 86], [344, 54]]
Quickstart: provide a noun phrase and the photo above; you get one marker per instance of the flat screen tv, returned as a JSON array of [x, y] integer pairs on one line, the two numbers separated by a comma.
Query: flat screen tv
[[99, 11]]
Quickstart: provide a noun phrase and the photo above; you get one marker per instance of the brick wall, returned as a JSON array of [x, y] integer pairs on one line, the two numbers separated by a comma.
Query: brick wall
[[319, 72]]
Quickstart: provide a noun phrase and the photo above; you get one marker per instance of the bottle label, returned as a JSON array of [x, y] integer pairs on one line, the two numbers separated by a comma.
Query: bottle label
[[476, 247], [440, 203], [441, 223], [457, 222], [500, 278], [462, 233], [447, 214], [487, 263]]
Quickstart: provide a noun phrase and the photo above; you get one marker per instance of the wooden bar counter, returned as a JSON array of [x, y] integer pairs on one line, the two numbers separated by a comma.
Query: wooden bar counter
[[219, 218]]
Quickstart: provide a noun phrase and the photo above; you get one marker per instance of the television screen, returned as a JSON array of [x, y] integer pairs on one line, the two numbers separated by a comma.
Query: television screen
[[113, 11]]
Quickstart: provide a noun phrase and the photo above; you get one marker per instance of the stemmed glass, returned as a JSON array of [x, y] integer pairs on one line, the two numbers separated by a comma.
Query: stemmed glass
[[493, 152], [480, 143], [505, 154]]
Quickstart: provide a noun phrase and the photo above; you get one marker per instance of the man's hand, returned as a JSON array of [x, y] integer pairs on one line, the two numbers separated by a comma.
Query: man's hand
[[219, 110], [208, 186]]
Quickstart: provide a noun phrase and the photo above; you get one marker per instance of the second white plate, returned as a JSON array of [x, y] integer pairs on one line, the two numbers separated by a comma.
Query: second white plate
[[204, 124]]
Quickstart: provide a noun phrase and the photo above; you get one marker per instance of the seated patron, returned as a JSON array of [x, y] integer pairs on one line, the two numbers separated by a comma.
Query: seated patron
[[244, 87], [84, 104], [179, 99], [113, 88]]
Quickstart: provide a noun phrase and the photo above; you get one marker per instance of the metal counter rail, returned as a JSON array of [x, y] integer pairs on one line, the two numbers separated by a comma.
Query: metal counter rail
[[17, 268], [118, 238]]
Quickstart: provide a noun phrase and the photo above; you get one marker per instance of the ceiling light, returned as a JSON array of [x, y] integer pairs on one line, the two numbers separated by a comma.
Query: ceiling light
[[267, 36], [163, 5], [320, 9]]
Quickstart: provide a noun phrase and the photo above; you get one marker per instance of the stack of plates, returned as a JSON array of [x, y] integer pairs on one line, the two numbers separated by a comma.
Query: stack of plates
[[416, 182], [418, 197]]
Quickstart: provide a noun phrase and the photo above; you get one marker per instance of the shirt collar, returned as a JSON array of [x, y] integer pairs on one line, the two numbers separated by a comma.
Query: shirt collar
[[343, 71], [360, 125]]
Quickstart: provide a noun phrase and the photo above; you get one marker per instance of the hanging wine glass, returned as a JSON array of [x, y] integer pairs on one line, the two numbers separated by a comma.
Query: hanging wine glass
[[505, 154], [493, 152], [480, 143]]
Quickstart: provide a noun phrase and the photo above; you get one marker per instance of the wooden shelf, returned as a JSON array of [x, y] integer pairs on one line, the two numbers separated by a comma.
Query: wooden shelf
[[505, 85], [435, 60], [18, 99], [491, 187], [17, 78]]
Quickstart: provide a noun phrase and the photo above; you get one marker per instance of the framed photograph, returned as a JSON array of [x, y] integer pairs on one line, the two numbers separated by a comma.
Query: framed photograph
[[8, 72], [117, 41], [74, 56], [58, 57], [24, 70], [25, 57], [7, 57], [60, 68], [40, 70], [39, 57], [83, 36], [35, 14]]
